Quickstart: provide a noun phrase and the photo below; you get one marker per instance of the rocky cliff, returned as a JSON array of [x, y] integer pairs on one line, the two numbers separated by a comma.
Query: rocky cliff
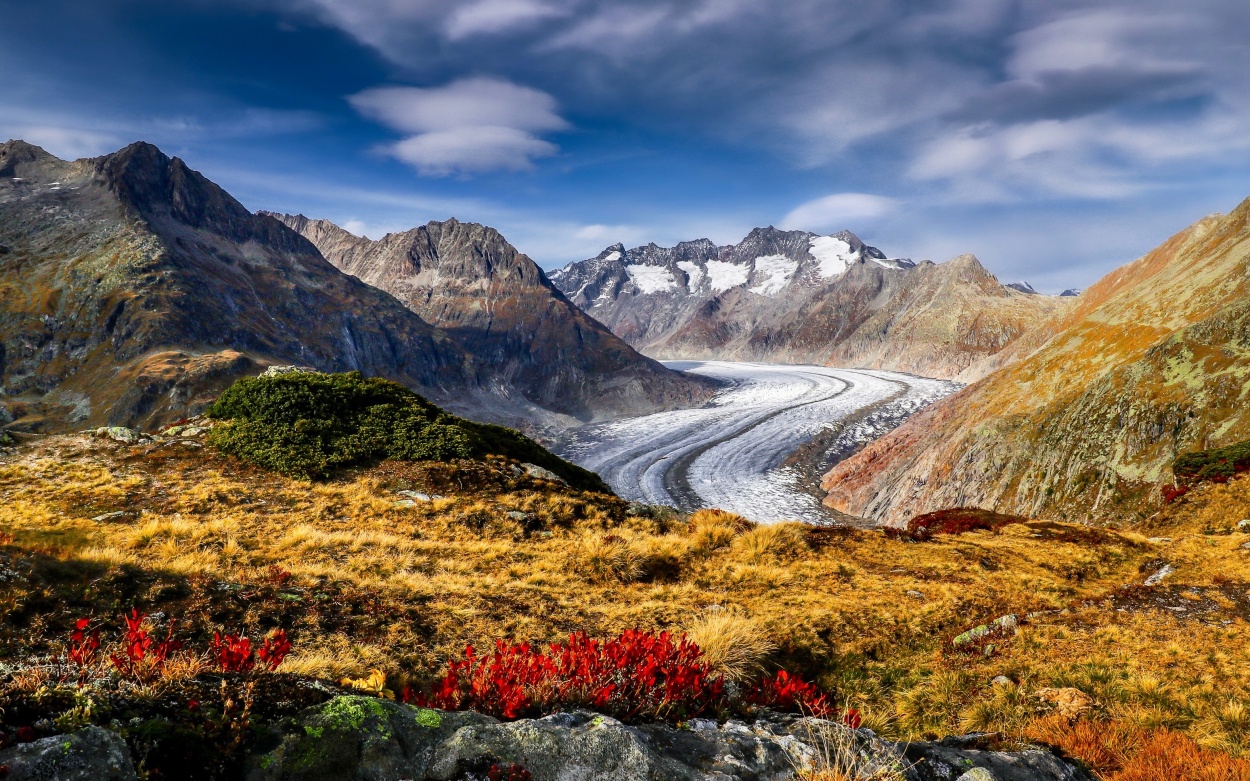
[[795, 297], [467, 280], [133, 289], [1085, 413]]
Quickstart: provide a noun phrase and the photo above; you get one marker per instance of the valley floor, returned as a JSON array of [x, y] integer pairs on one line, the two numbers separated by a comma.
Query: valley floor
[[731, 453]]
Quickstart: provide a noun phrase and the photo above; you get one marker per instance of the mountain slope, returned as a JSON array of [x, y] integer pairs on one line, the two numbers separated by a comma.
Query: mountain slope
[[795, 297], [1089, 409], [495, 302], [132, 289]]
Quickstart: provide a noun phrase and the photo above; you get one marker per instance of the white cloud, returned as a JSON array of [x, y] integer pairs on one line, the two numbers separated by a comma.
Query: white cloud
[[837, 212], [468, 126], [496, 16]]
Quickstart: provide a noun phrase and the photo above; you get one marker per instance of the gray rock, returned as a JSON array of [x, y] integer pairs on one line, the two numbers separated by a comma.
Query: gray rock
[[278, 371], [90, 754], [418, 496], [1157, 578], [114, 516], [533, 470], [362, 738], [126, 436], [977, 774], [1243, 525]]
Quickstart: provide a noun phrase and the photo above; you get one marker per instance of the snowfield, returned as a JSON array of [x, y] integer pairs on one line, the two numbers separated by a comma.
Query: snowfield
[[730, 453], [652, 279]]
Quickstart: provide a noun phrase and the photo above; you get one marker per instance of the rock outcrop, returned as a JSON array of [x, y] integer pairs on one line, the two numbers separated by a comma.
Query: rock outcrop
[[497, 304], [1084, 414], [362, 738], [795, 297], [90, 754]]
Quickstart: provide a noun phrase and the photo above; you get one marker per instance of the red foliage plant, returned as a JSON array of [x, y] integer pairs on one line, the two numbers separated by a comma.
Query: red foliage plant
[[508, 773], [84, 646], [957, 520], [141, 654], [234, 653], [1171, 493], [786, 692], [637, 675]]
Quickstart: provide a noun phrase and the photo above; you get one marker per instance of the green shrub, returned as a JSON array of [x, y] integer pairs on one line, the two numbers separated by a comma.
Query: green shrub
[[1212, 465], [307, 425]]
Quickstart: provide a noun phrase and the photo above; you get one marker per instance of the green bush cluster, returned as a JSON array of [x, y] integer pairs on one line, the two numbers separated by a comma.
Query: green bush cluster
[[1218, 465], [307, 425]]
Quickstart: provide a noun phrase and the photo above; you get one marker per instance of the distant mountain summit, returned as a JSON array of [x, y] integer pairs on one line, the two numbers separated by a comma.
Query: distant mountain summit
[[467, 280], [133, 289], [797, 297]]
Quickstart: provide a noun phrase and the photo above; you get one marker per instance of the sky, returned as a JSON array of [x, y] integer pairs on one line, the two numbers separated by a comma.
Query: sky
[[1054, 139]]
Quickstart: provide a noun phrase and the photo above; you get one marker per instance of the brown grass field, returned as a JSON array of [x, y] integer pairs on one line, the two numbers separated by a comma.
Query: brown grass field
[[1133, 679]]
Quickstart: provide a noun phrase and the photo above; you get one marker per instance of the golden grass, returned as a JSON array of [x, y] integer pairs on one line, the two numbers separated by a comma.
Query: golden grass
[[869, 618], [732, 643]]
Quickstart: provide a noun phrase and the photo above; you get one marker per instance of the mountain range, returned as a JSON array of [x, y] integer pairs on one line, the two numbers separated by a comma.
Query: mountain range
[[797, 297], [133, 290], [1086, 412]]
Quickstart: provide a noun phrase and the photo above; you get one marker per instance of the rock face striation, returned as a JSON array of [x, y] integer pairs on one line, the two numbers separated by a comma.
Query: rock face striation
[[795, 297], [468, 281], [1084, 414], [133, 290]]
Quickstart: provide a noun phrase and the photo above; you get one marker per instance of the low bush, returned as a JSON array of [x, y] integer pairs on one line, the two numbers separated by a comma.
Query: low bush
[[957, 520], [1215, 466], [637, 676], [308, 424]]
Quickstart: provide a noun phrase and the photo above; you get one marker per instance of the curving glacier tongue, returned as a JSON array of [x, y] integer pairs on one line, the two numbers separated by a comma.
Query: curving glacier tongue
[[730, 453]]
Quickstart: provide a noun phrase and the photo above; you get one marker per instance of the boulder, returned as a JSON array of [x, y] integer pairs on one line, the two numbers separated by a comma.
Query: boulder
[[126, 436], [358, 738], [90, 754], [534, 470]]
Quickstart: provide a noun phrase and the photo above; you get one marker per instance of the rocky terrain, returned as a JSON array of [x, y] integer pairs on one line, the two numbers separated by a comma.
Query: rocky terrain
[[495, 302], [1088, 410], [795, 297], [132, 289], [361, 739]]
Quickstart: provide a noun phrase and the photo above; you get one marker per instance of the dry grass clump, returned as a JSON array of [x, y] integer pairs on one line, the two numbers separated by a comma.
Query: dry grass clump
[[605, 557], [734, 644], [837, 757], [771, 543], [711, 530]]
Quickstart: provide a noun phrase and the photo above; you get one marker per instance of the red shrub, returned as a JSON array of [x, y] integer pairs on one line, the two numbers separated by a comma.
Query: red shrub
[[638, 675], [84, 647], [233, 653], [508, 773], [141, 654], [786, 692], [275, 649], [1171, 493], [278, 575], [957, 520]]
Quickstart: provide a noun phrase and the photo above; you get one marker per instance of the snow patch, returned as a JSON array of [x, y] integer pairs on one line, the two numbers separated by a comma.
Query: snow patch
[[833, 254], [776, 271], [722, 275], [693, 271], [652, 279], [613, 255]]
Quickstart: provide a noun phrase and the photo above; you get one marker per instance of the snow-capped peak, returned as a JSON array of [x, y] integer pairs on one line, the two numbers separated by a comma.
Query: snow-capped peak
[[1023, 287], [833, 254]]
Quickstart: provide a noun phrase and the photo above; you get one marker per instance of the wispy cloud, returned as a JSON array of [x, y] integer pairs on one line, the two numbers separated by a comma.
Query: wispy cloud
[[838, 211]]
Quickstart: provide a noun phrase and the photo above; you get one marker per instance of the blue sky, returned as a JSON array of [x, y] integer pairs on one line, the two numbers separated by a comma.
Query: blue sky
[[1054, 139]]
